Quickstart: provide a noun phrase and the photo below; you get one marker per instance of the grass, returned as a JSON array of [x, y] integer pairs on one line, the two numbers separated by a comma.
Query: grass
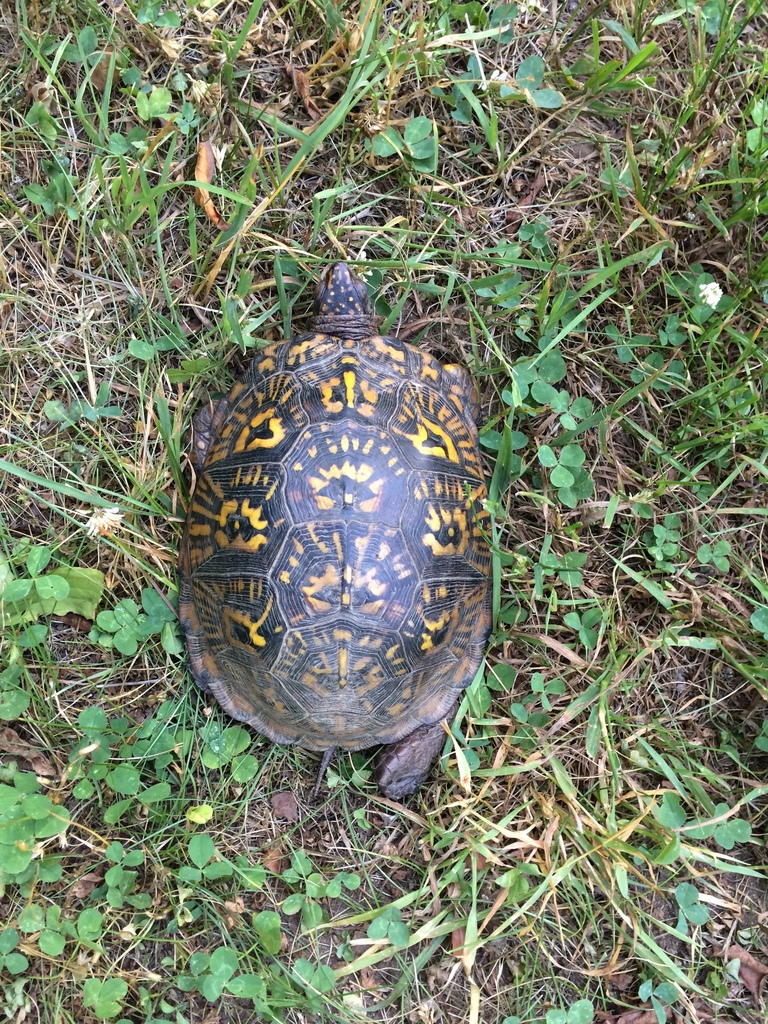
[[574, 209]]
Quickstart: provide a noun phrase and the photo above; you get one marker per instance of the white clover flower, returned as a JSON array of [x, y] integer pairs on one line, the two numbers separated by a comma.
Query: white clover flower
[[219, 152], [198, 90], [710, 293], [362, 256], [103, 522]]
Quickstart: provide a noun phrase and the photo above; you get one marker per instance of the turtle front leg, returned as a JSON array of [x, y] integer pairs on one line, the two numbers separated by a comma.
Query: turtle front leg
[[403, 766], [206, 425]]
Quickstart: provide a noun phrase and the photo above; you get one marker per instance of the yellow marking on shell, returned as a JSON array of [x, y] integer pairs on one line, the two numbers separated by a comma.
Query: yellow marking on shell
[[253, 515], [227, 509], [367, 582], [430, 368], [369, 393], [422, 436], [433, 626], [349, 383], [247, 476], [299, 349], [317, 584], [373, 677], [457, 518], [372, 504], [358, 474], [395, 659], [252, 626], [327, 395], [285, 576], [373, 642], [275, 426], [342, 636], [380, 345], [199, 530], [297, 467], [368, 579], [320, 544], [267, 364], [252, 544], [343, 666], [214, 487]]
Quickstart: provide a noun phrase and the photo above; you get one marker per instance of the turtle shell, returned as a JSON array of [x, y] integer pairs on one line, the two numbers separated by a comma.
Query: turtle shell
[[335, 564]]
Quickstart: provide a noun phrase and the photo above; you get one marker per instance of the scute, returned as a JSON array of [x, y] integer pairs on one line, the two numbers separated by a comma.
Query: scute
[[335, 565]]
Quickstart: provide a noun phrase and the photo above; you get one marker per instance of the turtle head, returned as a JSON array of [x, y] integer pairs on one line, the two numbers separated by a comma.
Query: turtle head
[[342, 306]]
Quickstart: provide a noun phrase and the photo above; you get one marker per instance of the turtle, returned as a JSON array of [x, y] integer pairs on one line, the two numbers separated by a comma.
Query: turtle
[[335, 565]]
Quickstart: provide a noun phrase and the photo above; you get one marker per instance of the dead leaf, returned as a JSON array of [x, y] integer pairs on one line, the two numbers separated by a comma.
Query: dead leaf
[[284, 805], [630, 1016], [515, 216], [368, 978], [642, 1016], [622, 981], [301, 86], [77, 622], [234, 910], [458, 937], [300, 80], [274, 859], [171, 48], [751, 971], [41, 92], [12, 743], [101, 70], [356, 39], [306, 45], [426, 1012], [205, 170], [85, 884]]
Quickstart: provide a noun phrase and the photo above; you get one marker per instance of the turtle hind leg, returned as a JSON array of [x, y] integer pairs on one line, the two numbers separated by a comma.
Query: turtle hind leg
[[403, 766]]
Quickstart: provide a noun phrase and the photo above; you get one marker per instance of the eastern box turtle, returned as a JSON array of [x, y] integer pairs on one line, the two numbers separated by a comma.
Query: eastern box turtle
[[335, 569]]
